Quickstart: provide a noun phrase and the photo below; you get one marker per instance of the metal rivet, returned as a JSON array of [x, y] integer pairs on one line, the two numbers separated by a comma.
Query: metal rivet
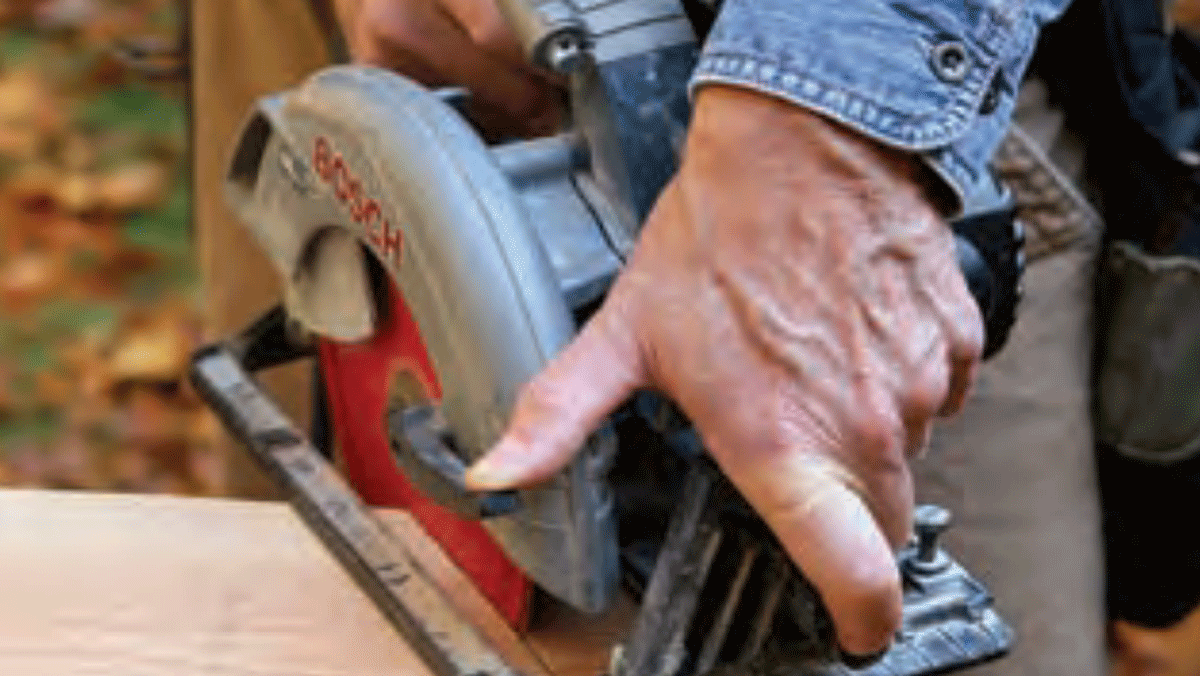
[[991, 101], [950, 61], [565, 53], [991, 98]]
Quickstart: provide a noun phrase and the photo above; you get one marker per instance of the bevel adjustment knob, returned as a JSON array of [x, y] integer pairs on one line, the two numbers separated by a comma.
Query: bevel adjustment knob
[[929, 522]]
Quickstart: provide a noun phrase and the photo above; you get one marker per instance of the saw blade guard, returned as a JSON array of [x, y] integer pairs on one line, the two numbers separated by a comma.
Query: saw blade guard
[[361, 160]]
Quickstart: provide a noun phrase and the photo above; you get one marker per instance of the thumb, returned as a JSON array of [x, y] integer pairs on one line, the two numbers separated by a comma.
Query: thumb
[[562, 405]]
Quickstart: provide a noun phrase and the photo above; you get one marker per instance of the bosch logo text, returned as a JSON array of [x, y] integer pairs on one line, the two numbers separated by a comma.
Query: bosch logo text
[[364, 209]]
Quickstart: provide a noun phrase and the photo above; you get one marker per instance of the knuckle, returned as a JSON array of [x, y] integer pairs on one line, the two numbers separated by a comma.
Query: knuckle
[[531, 421], [394, 37], [541, 395], [546, 403], [969, 336], [926, 394], [491, 32], [376, 18], [394, 25], [383, 14], [922, 401], [878, 431]]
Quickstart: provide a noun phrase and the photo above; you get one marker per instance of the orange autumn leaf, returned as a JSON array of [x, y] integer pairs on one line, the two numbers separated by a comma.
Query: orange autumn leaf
[[29, 277], [150, 420], [53, 388], [149, 355], [30, 112], [132, 186], [76, 161], [110, 277], [7, 398]]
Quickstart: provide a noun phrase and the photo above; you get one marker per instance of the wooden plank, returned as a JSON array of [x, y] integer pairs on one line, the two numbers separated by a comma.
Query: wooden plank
[[102, 585], [572, 643], [122, 585], [564, 642]]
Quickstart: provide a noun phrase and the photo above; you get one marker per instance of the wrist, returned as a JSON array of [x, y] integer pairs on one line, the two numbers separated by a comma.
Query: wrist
[[736, 130]]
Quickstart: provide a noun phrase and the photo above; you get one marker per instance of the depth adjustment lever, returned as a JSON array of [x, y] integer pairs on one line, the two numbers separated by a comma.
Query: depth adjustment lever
[[423, 444]]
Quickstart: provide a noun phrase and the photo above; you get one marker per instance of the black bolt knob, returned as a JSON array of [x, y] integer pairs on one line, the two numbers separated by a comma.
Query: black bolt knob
[[929, 521]]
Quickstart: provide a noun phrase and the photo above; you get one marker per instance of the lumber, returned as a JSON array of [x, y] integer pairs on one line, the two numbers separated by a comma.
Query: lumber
[[137, 585]]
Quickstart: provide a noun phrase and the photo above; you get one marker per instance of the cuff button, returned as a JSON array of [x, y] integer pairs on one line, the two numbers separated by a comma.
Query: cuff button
[[950, 61]]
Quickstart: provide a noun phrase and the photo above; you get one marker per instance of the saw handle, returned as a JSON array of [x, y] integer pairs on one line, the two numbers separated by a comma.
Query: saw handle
[[424, 446]]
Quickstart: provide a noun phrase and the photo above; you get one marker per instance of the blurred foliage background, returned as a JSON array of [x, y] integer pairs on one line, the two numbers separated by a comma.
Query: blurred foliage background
[[98, 285]]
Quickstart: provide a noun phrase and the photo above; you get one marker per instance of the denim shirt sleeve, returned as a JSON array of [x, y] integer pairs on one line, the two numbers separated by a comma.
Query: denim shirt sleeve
[[938, 77]]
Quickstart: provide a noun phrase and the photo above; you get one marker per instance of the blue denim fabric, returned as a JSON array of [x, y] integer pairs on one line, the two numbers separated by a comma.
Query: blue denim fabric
[[934, 76]]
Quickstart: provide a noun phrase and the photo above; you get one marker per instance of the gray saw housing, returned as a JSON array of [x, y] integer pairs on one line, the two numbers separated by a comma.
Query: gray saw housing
[[492, 248]]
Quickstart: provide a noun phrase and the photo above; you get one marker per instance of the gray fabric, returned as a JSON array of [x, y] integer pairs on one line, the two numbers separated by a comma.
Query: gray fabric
[[1147, 404]]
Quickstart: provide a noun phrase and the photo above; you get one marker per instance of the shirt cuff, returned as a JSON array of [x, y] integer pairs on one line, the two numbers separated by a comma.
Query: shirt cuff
[[935, 78]]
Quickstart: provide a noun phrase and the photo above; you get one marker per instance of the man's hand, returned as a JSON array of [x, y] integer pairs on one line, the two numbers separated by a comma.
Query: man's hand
[[462, 43], [795, 293]]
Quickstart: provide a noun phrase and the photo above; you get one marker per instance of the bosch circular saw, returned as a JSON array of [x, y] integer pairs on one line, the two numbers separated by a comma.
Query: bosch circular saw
[[433, 275]]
